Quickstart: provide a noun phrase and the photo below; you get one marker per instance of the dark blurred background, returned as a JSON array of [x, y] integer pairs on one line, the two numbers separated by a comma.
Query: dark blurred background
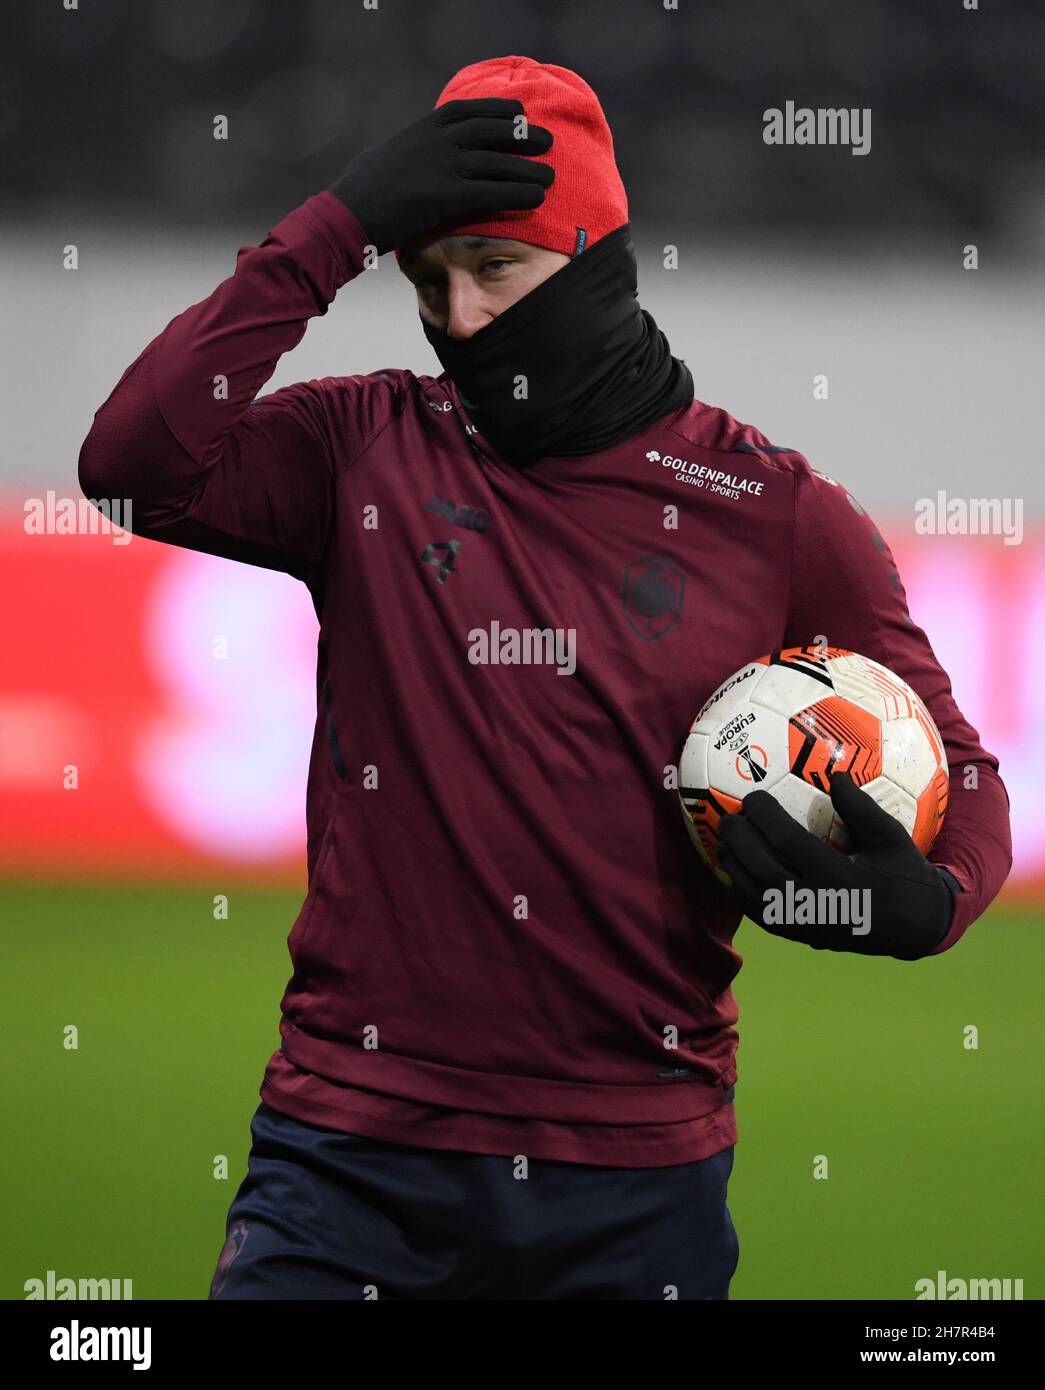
[[111, 107]]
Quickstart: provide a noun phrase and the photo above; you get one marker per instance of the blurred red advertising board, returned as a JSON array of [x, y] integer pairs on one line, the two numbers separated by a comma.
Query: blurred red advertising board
[[178, 690]]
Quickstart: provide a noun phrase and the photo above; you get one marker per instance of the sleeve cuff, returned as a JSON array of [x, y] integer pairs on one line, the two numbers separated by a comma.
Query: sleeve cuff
[[960, 913]]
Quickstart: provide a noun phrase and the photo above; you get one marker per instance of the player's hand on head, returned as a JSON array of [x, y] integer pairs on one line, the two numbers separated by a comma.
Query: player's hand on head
[[466, 156]]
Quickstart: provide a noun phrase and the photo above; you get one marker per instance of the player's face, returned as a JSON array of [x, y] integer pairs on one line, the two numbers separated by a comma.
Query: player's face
[[463, 282]]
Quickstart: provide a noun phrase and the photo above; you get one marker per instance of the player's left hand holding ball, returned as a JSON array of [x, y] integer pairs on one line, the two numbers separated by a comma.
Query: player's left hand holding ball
[[909, 902]]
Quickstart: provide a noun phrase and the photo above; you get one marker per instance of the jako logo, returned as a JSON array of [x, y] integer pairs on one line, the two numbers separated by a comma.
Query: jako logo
[[472, 518], [825, 125], [527, 646]]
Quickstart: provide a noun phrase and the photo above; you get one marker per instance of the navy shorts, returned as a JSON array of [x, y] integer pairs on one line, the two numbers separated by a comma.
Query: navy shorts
[[323, 1214]]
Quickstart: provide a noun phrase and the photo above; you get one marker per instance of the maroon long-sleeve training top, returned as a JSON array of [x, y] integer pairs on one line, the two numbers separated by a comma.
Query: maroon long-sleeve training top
[[508, 944]]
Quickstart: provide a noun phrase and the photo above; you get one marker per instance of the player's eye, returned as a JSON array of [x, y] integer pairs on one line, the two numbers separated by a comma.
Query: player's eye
[[494, 264]]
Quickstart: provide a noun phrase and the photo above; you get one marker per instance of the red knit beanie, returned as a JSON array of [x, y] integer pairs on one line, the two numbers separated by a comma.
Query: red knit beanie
[[587, 199]]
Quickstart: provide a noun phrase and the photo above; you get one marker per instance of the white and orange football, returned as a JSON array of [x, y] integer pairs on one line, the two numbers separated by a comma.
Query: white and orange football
[[784, 723]]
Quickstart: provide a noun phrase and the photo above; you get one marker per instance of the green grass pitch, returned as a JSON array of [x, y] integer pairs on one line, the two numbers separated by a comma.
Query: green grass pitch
[[934, 1150]]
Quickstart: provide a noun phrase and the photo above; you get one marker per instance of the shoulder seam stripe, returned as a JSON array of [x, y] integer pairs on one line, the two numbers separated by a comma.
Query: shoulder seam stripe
[[763, 449]]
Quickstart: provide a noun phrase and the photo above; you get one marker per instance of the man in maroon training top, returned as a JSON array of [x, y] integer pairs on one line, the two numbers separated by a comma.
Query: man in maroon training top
[[522, 604]]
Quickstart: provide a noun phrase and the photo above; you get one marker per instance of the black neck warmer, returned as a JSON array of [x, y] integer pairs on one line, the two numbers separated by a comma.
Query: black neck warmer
[[597, 368]]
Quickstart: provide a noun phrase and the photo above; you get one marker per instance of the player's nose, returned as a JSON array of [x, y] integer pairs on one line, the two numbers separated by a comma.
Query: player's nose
[[466, 311]]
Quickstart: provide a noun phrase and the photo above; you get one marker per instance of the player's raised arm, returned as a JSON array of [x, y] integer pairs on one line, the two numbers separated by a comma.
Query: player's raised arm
[[207, 466], [845, 587]]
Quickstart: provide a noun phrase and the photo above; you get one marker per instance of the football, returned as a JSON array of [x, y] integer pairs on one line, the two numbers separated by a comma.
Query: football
[[784, 723]]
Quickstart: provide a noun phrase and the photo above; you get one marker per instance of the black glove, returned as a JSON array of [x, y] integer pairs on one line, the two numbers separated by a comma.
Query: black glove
[[462, 157], [908, 904]]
